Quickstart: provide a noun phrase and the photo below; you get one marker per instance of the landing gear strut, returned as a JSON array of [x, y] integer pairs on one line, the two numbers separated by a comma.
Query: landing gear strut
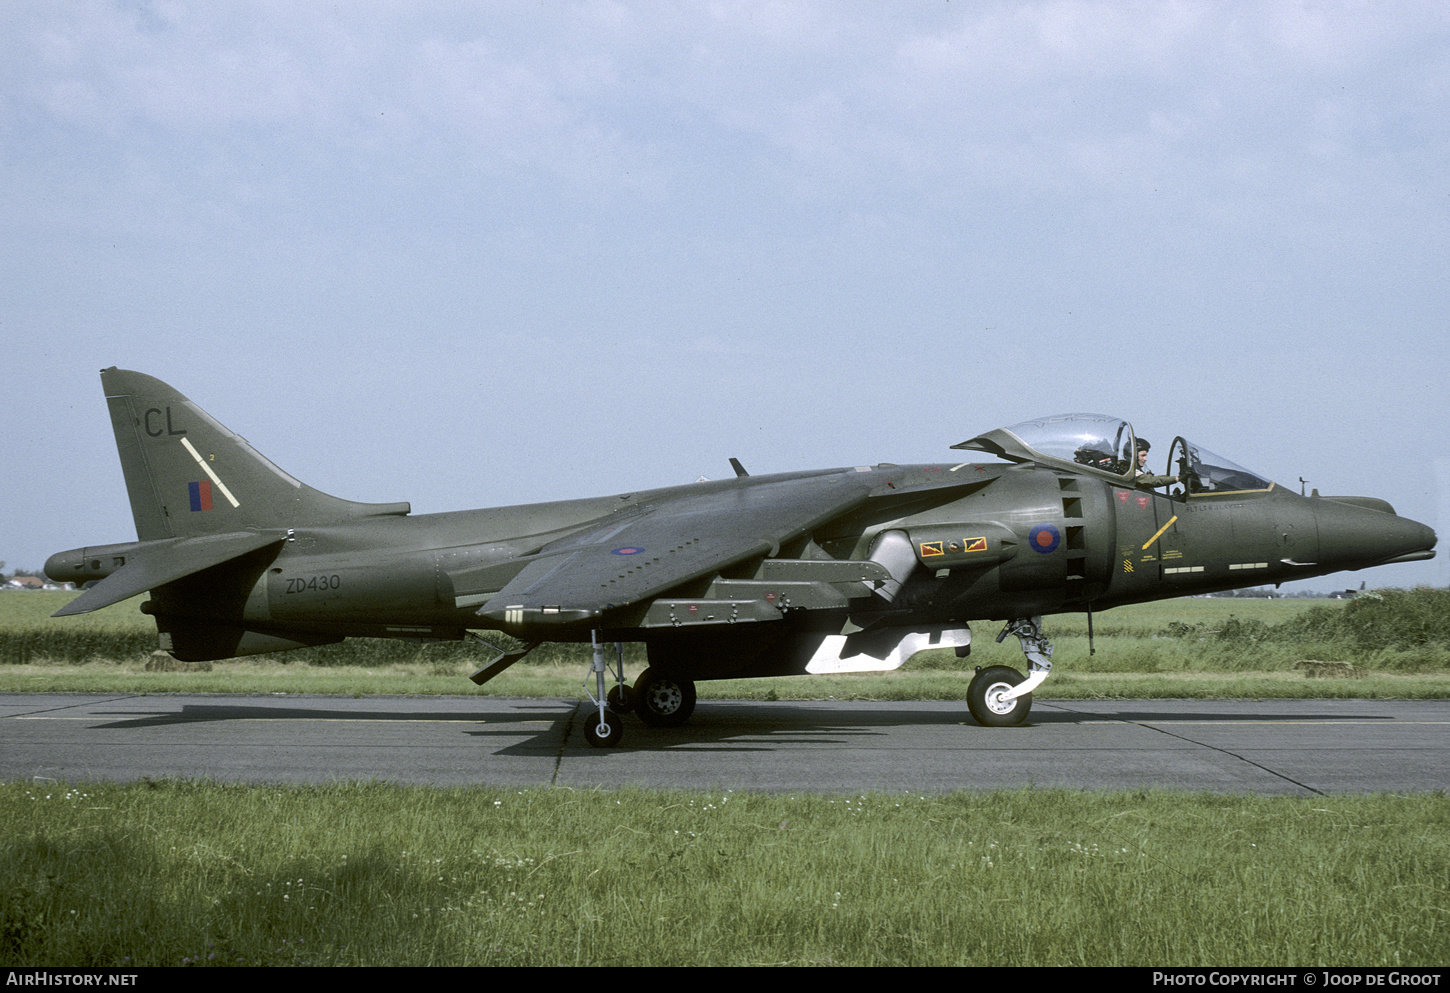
[[1000, 696], [604, 729]]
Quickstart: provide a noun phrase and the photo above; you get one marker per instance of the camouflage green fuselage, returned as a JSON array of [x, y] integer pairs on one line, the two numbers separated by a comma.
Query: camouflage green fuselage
[[1030, 540]]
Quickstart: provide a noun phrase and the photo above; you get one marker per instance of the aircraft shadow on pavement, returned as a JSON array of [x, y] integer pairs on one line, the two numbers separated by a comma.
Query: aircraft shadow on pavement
[[213, 713], [717, 725], [734, 728], [766, 726]]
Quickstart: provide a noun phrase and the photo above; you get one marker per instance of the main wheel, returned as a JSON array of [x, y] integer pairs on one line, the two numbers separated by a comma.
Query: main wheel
[[984, 697], [603, 734], [663, 701]]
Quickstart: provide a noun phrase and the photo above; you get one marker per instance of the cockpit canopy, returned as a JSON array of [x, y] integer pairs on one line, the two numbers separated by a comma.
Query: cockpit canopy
[[1108, 445]]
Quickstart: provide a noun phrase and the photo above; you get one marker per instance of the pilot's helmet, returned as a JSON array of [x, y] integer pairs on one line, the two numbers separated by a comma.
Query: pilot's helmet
[[1142, 443]]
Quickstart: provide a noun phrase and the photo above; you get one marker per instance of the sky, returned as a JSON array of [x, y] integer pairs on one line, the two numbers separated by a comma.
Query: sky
[[477, 254]]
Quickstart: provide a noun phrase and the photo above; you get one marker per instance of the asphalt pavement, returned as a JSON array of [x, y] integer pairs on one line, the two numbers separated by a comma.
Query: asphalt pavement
[[1284, 747]]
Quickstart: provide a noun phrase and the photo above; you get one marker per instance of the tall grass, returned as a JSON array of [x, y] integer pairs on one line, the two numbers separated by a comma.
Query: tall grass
[[174, 873], [1384, 630]]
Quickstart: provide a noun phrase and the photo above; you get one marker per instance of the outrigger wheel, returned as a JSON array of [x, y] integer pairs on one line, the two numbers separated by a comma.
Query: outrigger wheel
[[985, 697], [663, 701], [603, 733]]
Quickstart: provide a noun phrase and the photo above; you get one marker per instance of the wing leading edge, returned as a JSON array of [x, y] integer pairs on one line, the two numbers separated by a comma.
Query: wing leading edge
[[622, 562]]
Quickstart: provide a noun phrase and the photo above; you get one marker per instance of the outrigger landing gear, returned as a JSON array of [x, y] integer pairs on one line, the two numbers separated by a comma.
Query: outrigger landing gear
[[1000, 696], [604, 729]]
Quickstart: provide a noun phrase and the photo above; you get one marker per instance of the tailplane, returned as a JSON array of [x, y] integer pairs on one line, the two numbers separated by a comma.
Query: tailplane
[[189, 476]]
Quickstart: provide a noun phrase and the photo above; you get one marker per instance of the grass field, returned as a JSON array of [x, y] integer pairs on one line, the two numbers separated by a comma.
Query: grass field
[[370, 874]]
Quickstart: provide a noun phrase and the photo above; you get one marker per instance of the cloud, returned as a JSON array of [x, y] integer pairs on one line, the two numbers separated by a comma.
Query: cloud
[[818, 100]]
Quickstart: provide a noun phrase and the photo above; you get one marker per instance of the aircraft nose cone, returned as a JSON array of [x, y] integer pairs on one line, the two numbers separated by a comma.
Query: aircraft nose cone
[[1409, 539], [1354, 537], [1426, 534]]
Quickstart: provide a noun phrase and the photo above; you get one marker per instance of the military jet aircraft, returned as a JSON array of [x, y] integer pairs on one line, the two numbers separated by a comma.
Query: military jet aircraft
[[834, 570]]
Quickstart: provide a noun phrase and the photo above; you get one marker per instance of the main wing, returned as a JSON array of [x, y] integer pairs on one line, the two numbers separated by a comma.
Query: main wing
[[640, 554]]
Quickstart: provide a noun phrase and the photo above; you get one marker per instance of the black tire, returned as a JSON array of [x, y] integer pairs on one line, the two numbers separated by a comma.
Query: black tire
[[620, 699], [986, 709], [603, 735], [663, 701]]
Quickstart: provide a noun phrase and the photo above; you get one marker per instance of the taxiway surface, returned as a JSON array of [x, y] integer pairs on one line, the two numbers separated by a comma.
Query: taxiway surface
[[1286, 747]]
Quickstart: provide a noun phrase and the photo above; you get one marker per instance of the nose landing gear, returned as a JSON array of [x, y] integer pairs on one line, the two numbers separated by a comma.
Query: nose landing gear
[[1000, 696]]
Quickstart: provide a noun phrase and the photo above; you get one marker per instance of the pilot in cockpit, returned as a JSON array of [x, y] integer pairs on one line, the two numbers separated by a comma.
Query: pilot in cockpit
[[1141, 476]]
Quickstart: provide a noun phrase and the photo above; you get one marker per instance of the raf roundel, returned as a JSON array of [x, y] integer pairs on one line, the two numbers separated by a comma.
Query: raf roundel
[[627, 550], [1044, 538]]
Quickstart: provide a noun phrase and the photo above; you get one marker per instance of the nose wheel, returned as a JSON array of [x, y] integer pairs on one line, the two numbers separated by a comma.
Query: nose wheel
[[988, 701]]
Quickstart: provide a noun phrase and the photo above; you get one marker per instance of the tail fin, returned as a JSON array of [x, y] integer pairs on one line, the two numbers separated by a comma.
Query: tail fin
[[188, 475]]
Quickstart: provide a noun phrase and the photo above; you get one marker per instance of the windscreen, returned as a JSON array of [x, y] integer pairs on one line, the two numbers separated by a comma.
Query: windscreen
[[1210, 473]]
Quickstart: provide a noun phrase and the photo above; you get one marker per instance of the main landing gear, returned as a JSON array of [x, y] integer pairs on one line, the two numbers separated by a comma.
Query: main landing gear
[[1000, 696], [658, 699], [663, 701]]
